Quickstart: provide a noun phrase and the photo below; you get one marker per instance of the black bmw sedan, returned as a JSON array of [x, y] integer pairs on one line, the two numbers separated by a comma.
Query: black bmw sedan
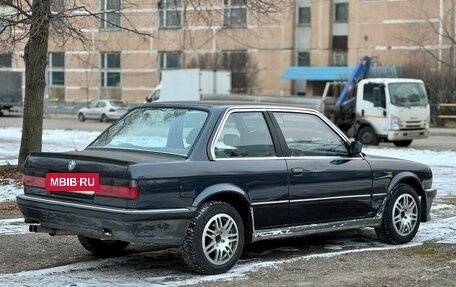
[[213, 176]]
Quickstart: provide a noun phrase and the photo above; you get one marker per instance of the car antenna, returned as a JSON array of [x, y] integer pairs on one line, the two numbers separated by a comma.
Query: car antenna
[[74, 144]]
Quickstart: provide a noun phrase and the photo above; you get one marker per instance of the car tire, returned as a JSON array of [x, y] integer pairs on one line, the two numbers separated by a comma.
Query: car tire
[[214, 239], [81, 117], [101, 247], [104, 118], [367, 136], [401, 218], [402, 143]]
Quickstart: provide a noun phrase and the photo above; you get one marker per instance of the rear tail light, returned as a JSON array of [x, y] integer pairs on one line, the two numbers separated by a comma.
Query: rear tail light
[[35, 181], [112, 110], [127, 191]]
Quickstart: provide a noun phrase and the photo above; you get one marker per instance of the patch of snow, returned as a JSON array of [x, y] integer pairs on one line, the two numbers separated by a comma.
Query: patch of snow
[[53, 141], [13, 226]]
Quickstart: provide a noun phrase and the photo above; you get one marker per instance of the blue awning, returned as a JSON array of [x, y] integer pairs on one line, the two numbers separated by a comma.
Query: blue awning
[[333, 73]]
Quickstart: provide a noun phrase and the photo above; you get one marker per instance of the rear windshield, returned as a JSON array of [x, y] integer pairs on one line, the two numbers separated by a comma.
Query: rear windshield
[[167, 130]]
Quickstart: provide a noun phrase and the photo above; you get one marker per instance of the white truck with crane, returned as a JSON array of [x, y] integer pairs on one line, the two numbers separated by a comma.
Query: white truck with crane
[[378, 109]]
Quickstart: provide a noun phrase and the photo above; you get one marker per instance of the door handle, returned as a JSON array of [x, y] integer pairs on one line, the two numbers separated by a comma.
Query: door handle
[[297, 171]]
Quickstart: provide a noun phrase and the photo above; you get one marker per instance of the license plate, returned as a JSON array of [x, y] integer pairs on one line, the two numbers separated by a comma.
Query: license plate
[[73, 181]]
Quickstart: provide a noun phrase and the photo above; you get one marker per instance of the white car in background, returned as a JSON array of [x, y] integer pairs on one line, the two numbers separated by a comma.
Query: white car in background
[[103, 110]]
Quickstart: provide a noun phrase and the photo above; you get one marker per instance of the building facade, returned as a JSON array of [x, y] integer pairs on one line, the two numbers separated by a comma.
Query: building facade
[[226, 34]]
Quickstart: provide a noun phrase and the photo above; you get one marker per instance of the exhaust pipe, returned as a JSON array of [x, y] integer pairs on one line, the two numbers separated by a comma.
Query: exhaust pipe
[[37, 228]]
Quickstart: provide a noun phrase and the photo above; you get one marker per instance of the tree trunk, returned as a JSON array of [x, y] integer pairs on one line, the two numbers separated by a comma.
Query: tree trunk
[[35, 58]]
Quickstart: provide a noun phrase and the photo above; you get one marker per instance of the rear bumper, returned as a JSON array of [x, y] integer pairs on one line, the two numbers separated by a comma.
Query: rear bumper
[[160, 226], [407, 134]]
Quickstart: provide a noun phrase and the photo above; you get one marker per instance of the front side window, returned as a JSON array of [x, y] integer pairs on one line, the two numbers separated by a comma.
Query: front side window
[[110, 14], [341, 12], [309, 135], [110, 69], [170, 13], [375, 93], [170, 60], [56, 69], [234, 13], [164, 130], [244, 134]]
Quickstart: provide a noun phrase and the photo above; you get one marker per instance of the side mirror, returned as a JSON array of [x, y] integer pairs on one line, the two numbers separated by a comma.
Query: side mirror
[[355, 148]]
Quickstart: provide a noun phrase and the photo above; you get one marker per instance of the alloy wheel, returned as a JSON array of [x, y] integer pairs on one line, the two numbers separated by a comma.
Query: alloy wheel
[[405, 214], [220, 239]]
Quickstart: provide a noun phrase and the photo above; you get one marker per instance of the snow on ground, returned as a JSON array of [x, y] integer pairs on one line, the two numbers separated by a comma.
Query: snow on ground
[[130, 270], [53, 140]]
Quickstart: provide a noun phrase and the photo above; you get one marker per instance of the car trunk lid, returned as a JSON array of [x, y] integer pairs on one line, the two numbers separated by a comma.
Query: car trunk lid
[[117, 186]]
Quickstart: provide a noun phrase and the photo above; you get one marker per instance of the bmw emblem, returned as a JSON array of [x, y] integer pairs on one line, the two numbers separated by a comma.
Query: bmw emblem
[[71, 164]]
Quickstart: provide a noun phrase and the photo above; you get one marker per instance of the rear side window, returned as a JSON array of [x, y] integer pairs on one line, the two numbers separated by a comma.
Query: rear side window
[[244, 134], [309, 135]]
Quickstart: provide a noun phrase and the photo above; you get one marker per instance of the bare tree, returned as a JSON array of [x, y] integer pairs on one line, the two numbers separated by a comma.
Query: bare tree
[[434, 32], [33, 22]]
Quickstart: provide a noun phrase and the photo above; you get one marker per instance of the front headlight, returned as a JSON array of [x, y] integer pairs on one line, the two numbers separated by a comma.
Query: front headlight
[[426, 123], [395, 123]]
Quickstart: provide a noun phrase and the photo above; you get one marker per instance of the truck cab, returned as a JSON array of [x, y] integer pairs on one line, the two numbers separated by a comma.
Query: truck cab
[[391, 109]]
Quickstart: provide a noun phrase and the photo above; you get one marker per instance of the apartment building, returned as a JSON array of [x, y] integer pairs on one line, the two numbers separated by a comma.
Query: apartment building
[[225, 34]]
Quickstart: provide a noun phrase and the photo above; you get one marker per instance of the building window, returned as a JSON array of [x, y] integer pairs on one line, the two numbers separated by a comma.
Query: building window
[[303, 59], [237, 63], [5, 60], [170, 60], [304, 16], [341, 12], [170, 12], [110, 69], [56, 69], [234, 13], [110, 14], [340, 58]]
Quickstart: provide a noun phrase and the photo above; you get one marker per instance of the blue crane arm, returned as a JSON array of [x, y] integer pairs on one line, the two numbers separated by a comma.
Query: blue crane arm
[[360, 72]]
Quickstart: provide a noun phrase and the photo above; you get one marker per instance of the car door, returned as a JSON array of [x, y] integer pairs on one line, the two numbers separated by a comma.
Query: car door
[[372, 106], [325, 182], [99, 109], [247, 157], [90, 112]]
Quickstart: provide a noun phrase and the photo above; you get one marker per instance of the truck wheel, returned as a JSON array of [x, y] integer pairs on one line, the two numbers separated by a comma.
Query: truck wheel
[[81, 117], [402, 143], [102, 247], [367, 136], [214, 239], [401, 218]]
